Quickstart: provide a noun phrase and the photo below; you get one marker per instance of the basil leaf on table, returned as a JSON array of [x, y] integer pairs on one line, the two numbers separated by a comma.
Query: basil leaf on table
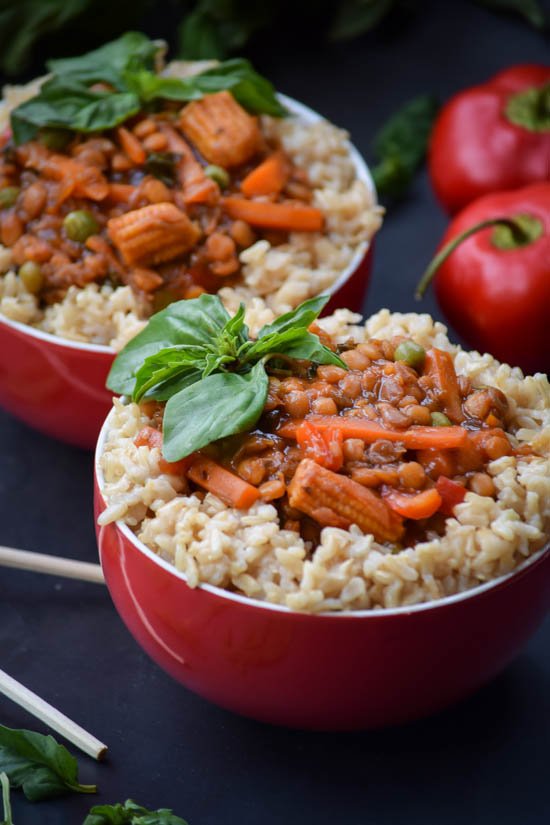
[[39, 765], [5, 782], [401, 145], [191, 323], [130, 813], [220, 405], [531, 10]]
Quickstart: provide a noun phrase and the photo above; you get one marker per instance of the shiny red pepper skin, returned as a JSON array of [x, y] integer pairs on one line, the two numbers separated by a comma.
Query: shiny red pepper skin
[[499, 300], [475, 149]]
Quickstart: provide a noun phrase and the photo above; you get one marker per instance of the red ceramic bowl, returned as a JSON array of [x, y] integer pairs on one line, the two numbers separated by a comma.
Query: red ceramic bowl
[[342, 671], [58, 386]]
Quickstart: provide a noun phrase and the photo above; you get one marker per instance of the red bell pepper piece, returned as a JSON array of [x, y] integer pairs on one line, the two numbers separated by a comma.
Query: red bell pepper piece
[[451, 494], [322, 446], [492, 137], [492, 276], [417, 506]]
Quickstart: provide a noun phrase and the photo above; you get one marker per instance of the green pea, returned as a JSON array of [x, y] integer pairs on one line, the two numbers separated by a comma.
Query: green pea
[[55, 139], [440, 420], [79, 225], [8, 196], [410, 353], [218, 174], [31, 275]]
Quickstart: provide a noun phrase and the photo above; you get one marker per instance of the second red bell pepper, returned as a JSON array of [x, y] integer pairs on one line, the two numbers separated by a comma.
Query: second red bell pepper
[[491, 137]]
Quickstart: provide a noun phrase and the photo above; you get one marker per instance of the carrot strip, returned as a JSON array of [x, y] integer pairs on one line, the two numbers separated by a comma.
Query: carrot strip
[[197, 187], [121, 192], [222, 483], [415, 438], [288, 216], [131, 146], [269, 178], [421, 505], [149, 437], [440, 367]]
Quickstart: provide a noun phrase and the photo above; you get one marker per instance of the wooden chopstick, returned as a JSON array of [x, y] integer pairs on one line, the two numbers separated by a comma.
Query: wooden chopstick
[[51, 565], [24, 697]]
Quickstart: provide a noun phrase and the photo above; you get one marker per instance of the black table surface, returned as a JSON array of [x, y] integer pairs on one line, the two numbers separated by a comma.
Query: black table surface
[[482, 762]]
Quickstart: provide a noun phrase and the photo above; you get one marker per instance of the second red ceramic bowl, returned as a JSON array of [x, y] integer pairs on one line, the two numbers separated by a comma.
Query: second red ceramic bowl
[[338, 671], [58, 386]]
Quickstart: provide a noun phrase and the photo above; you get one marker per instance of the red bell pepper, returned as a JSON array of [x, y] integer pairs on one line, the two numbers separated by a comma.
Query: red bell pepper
[[451, 494], [492, 137], [492, 276]]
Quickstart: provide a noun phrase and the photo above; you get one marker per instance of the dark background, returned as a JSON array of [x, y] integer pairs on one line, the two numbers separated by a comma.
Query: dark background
[[483, 762]]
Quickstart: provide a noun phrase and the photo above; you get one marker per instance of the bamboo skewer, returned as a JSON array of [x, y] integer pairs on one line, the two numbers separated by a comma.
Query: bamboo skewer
[[28, 700], [51, 565]]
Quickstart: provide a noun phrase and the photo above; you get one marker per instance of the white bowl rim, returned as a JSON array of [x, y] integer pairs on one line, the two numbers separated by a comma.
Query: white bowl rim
[[363, 174], [265, 605]]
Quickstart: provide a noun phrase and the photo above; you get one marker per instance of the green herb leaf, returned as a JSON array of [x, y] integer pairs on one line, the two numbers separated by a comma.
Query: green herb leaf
[[530, 10], [401, 145], [5, 782], [191, 323], [167, 372], [131, 814], [162, 165], [302, 317], [355, 17], [39, 765], [108, 63], [220, 405]]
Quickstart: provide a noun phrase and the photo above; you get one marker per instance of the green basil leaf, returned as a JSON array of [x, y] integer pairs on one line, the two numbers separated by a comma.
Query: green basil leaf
[[5, 782], [131, 814], [108, 63], [309, 348], [530, 10], [166, 368], [301, 317], [39, 765], [401, 145], [190, 323], [355, 17], [220, 405], [69, 104]]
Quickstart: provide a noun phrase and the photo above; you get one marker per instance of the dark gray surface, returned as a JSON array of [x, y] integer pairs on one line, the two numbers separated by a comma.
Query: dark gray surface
[[483, 762]]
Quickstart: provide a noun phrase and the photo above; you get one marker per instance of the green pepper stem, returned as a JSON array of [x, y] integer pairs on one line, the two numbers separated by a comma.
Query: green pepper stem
[[517, 229]]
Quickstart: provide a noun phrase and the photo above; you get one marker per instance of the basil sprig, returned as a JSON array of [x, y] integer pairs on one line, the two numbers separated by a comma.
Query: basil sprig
[[131, 814], [39, 765], [213, 376], [69, 99]]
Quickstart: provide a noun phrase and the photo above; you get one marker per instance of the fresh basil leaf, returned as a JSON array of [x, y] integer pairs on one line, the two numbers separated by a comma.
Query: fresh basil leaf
[[401, 145], [131, 814], [39, 765], [167, 367], [195, 322], [220, 405], [70, 105], [5, 782], [309, 348], [530, 10], [355, 17], [301, 317], [108, 63], [162, 165]]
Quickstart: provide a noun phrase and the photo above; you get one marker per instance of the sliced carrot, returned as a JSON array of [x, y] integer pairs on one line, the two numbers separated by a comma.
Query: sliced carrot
[[415, 438], [287, 216], [451, 494], [322, 446], [222, 483], [421, 505], [131, 146], [440, 367], [121, 192], [149, 437], [269, 178], [197, 187]]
